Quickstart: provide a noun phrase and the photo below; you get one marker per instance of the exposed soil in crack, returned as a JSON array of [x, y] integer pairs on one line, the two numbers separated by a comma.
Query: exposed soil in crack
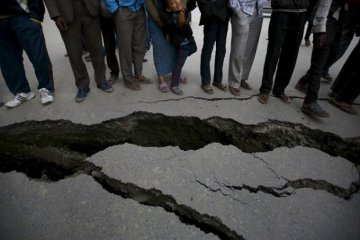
[[54, 150], [34, 139]]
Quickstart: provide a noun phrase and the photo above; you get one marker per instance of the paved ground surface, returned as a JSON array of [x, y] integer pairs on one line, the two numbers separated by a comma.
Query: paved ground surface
[[215, 191]]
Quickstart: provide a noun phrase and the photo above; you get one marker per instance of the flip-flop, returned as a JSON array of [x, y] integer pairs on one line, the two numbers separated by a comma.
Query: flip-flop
[[163, 87]]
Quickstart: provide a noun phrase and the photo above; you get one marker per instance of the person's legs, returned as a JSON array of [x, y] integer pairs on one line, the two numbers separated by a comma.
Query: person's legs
[[278, 28], [289, 52], [11, 60], [210, 31], [139, 42], [31, 38], [338, 50], [92, 36], [349, 77], [221, 36], [109, 36], [183, 52], [72, 40], [125, 25], [252, 43], [239, 39], [318, 59]]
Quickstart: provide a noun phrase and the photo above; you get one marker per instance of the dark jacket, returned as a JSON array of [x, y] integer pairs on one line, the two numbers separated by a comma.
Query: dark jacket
[[12, 7], [289, 4], [177, 34], [213, 9]]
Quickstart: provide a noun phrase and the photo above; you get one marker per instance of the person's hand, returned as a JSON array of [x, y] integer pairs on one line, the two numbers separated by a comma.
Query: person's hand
[[60, 23], [319, 39], [160, 23], [181, 18], [167, 38]]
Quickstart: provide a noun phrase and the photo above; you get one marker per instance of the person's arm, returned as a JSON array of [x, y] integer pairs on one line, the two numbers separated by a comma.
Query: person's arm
[[319, 22], [55, 15], [234, 5], [153, 12]]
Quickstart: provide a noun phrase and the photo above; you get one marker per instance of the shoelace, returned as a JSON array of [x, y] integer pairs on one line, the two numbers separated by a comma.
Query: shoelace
[[20, 98]]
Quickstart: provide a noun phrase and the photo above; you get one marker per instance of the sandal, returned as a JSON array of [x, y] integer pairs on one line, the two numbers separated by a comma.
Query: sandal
[[207, 88], [343, 106], [177, 90], [263, 98], [283, 98], [163, 87], [315, 110], [220, 86]]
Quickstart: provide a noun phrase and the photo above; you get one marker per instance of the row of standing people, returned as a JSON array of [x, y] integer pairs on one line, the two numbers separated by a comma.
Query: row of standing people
[[78, 20]]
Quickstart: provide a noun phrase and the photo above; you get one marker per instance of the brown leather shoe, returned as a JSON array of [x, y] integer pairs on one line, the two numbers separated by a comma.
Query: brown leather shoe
[[234, 91], [220, 86], [207, 88]]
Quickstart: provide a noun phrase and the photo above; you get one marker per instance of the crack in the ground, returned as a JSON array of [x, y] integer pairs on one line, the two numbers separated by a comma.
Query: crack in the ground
[[46, 170], [283, 191], [223, 99], [158, 130], [53, 150]]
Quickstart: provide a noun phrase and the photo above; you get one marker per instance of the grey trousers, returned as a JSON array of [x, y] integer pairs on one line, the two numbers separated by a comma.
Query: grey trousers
[[245, 37], [131, 27], [84, 28]]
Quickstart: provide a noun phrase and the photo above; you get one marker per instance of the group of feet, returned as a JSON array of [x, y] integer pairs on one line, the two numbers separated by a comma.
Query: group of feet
[[312, 108], [47, 97], [234, 91]]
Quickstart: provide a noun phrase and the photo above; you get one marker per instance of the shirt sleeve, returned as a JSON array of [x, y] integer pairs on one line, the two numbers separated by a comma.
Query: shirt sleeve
[[321, 13]]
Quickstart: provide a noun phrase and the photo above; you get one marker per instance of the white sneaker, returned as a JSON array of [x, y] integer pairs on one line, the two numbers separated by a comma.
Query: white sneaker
[[46, 96], [19, 99]]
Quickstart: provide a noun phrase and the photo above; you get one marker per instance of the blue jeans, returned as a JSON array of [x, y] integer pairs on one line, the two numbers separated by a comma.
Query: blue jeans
[[285, 35], [214, 31], [19, 33]]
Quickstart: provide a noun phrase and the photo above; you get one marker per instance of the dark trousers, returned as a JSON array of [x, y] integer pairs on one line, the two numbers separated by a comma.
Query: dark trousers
[[108, 30], [285, 35], [19, 33], [84, 28], [347, 35], [214, 31], [318, 59], [347, 84], [183, 53]]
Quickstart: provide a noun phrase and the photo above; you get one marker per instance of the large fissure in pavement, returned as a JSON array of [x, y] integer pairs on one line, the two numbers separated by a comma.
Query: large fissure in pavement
[[158, 130], [54, 150]]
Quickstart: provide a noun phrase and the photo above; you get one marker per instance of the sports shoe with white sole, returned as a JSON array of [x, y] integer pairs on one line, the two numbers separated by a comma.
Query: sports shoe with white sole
[[46, 96], [19, 99]]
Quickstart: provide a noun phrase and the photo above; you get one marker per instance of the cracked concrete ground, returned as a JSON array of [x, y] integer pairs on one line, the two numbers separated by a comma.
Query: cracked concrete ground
[[128, 191]]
